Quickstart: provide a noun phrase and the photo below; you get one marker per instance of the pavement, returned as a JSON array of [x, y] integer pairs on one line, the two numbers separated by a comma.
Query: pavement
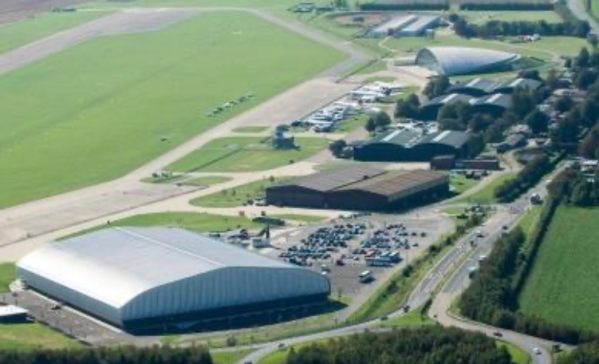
[[580, 12]]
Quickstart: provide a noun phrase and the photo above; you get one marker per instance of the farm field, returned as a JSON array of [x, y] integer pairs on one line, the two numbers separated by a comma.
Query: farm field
[[189, 220], [245, 154], [89, 118], [562, 286], [17, 34]]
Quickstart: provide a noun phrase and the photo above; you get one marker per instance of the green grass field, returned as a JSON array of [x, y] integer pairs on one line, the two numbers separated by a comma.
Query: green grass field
[[518, 355], [228, 357], [14, 35], [245, 154], [31, 336], [486, 194], [252, 129], [88, 118], [236, 196], [300, 217], [7, 275], [460, 184], [562, 286], [189, 220]]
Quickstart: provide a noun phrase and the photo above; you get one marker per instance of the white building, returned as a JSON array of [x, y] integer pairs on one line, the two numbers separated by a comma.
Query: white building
[[140, 277]]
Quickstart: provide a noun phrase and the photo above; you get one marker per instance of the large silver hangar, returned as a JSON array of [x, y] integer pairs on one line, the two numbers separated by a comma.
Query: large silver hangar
[[139, 277], [452, 61]]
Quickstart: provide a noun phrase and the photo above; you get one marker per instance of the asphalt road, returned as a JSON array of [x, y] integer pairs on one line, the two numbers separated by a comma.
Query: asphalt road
[[579, 11], [450, 274]]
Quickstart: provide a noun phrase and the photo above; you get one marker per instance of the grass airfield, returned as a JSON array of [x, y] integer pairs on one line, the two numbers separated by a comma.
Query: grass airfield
[[88, 118]]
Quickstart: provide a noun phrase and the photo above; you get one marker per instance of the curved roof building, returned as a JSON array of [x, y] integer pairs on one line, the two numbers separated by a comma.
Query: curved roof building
[[452, 61], [140, 277]]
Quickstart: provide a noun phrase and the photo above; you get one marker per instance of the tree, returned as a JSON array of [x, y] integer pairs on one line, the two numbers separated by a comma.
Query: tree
[[494, 133], [523, 102], [564, 103], [476, 144], [381, 119], [537, 121], [480, 122], [337, 147], [436, 86], [589, 146], [582, 60], [585, 78], [408, 108], [370, 125]]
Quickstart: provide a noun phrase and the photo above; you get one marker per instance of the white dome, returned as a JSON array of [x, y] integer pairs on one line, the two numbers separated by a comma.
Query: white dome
[[463, 60]]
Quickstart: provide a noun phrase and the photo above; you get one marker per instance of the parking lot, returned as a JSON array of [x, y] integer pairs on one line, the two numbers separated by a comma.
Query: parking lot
[[343, 249]]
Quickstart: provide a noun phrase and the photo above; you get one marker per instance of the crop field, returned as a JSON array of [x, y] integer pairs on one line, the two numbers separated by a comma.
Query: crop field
[[90, 118], [562, 286], [16, 34], [246, 154]]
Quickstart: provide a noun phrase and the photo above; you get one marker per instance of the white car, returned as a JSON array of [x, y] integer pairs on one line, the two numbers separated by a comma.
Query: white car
[[537, 351]]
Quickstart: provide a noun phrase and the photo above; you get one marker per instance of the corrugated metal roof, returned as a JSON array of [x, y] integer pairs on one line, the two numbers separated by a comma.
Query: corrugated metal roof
[[446, 99], [335, 178], [502, 100], [114, 265], [411, 139], [520, 82], [395, 184]]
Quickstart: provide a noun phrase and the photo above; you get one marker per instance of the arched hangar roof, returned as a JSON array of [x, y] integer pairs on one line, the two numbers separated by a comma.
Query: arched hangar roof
[[121, 274], [463, 60]]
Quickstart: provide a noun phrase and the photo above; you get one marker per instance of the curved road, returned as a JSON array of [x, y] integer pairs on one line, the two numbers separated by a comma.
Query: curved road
[[450, 274], [580, 12]]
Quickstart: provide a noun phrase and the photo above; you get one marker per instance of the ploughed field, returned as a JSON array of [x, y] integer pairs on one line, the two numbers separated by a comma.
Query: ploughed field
[[100, 109], [562, 286]]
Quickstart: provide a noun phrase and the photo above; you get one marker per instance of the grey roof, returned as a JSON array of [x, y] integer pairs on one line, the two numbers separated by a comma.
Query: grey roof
[[395, 23], [398, 183], [410, 139], [423, 22], [478, 84], [454, 138], [334, 178], [501, 100], [462, 60], [448, 99], [114, 265], [519, 82]]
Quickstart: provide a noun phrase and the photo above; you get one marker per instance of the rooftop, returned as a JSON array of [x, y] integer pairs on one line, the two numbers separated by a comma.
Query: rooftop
[[335, 178], [139, 259], [398, 182]]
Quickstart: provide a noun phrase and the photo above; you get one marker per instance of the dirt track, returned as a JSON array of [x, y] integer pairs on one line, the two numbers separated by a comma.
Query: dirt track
[[128, 21], [13, 10]]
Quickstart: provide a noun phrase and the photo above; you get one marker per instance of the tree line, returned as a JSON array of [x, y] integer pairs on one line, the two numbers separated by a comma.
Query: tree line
[[506, 5], [529, 176], [428, 345], [115, 355], [576, 187], [497, 28], [414, 5]]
